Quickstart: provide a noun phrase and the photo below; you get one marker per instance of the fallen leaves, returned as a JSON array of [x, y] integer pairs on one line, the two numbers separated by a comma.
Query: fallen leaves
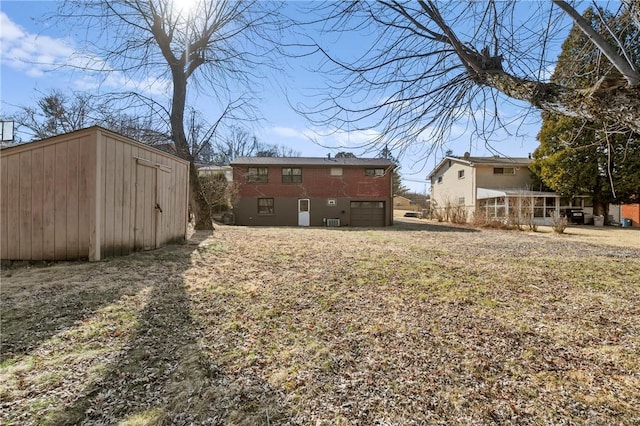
[[315, 326]]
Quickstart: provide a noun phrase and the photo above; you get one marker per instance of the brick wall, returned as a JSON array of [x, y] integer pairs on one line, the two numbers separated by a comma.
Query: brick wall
[[632, 211], [316, 182]]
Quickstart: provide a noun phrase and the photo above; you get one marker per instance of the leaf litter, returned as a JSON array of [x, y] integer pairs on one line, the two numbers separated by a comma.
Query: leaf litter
[[295, 326]]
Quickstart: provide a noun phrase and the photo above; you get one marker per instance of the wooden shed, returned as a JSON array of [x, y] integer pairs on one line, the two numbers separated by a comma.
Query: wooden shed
[[90, 194]]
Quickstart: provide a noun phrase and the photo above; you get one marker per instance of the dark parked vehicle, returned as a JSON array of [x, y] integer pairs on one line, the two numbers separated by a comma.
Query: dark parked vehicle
[[413, 214], [575, 216]]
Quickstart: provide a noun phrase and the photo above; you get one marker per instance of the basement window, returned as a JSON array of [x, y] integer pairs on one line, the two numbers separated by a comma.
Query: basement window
[[265, 206]]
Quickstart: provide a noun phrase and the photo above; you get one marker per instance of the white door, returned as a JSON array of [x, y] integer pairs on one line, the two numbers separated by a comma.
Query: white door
[[303, 212]]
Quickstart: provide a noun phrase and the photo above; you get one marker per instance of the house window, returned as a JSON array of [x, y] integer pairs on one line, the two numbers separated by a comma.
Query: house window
[[550, 206], [336, 171], [461, 201], [331, 202], [460, 174], [265, 206], [374, 172], [504, 171], [257, 175], [291, 175], [538, 207], [439, 179]]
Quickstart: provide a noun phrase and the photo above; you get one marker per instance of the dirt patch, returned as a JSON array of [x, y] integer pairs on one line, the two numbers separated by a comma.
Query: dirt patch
[[421, 323]]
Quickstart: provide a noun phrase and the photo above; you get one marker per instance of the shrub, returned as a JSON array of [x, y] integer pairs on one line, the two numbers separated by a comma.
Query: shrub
[[559, 223], [218, 191]]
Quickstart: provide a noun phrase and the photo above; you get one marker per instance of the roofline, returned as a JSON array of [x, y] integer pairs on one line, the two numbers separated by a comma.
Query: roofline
[[474, 164], [54, 139], [309, 161]]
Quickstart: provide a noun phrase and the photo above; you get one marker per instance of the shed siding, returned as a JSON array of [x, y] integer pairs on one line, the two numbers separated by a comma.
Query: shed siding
[[4, 196], [13, 214], [37, 203], [42, 201], [73, 200], [73, 196], [48, 232], [130, 191], [25, 205]]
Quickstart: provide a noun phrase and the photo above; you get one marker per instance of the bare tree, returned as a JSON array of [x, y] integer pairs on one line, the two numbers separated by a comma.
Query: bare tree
[[239, 142], [212, 44], [56, 112], [433, 64]]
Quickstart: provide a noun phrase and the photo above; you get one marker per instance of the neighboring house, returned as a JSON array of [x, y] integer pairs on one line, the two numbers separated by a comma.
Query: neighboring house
[[212, 170], [90, 194], [304, 191], [631, 212], [496, 187], [403, 203]]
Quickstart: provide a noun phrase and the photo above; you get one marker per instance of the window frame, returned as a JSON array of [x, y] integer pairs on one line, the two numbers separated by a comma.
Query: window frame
[[291, 176], [335, 171], [374, 171], [460, 174], [258, 177], [269, 205], [504, 171]]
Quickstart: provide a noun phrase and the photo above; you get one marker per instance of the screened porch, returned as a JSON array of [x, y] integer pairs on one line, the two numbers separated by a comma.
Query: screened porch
[[537, 206]]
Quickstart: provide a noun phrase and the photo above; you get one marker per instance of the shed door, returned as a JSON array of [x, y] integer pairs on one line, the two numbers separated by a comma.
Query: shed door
[[147, 208], [367, 213]]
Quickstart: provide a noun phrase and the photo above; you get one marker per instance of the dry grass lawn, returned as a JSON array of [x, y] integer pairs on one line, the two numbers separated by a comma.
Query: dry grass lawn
[[421, 323]]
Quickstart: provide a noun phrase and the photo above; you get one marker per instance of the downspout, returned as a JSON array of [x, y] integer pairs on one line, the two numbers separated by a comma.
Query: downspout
[[474, 190]]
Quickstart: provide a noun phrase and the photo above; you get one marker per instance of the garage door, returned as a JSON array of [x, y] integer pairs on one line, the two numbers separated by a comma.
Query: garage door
[[367, 213]]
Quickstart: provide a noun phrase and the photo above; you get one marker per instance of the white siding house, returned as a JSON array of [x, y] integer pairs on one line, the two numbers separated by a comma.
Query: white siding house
[[495, 187]]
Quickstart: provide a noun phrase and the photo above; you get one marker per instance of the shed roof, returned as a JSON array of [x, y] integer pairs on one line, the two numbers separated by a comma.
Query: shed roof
[[63, 136], [312, 161]]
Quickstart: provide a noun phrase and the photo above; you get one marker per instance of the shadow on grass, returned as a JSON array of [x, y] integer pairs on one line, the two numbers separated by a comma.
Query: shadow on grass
[[162, 376], [40, 308]]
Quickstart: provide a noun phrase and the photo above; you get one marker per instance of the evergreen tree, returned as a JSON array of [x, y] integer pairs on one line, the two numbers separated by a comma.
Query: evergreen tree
[[398, 187], [578, 157]]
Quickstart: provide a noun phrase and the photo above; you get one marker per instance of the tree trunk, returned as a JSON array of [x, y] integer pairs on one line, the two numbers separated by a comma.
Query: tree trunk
[[200, 206], [198, 202]]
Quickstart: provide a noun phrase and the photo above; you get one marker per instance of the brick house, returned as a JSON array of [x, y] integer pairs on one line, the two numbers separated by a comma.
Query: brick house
[[313, 191]]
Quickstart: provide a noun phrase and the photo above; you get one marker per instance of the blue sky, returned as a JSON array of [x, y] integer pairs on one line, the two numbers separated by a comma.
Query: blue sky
[[32, 50]]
